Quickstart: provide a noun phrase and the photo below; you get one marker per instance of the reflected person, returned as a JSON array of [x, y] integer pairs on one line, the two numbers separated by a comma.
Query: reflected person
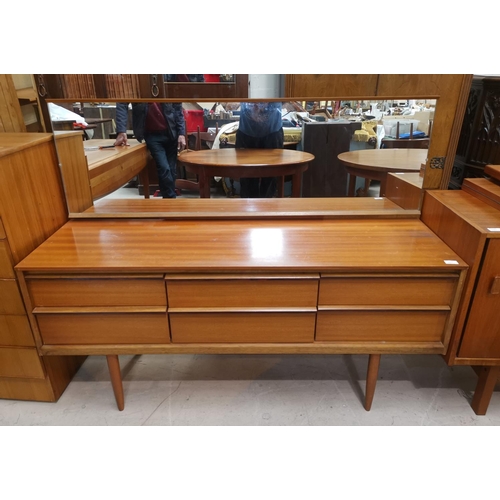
[[163, 128], [260, 127]]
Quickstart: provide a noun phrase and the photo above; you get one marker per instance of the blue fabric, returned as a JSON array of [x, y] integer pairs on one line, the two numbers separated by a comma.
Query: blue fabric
[[264, 187], [258, 119], [416, 135]]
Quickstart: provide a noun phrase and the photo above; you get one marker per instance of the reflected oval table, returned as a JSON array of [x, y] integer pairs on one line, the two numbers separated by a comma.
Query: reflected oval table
[[237, 163], [375, 164]]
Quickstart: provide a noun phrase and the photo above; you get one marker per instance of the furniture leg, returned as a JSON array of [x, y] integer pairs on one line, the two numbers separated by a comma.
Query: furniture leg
[[204, 185], [116, 380], [144, 180], [383, 183], [488, 377], [296, 185], [371, 379], [352, 185], [281, 186]]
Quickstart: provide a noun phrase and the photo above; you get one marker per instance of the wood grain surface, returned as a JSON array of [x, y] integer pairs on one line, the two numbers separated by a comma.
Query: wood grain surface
[[241, 245], [245, 157], [385, 160]]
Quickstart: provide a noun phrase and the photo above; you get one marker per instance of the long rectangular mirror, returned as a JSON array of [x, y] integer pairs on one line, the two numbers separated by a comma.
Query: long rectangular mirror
[[326, 129]]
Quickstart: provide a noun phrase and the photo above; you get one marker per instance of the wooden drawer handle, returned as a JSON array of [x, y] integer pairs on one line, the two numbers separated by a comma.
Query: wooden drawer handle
[[495, 286]]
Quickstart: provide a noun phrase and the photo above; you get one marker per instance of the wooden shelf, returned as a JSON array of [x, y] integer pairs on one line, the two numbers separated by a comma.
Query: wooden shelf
[[27, 94]]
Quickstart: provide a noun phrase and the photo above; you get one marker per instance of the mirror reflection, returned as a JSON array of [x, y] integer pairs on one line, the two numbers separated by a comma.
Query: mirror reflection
[[325, 129]]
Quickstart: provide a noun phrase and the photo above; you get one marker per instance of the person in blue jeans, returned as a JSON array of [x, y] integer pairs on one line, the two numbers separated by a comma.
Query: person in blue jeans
[[162, 126], [261, 127]]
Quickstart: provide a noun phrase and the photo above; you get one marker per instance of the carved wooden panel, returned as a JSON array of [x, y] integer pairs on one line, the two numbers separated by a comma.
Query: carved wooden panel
[[485, 147], [479, 142]]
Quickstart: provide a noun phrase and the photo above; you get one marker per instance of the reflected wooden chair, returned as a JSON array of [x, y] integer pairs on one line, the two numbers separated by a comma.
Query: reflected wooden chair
[[201, 139]]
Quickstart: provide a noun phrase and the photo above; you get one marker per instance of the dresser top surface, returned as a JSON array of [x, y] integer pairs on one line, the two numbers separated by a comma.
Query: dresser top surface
[[13, 142], [124, 245], [483, 217]]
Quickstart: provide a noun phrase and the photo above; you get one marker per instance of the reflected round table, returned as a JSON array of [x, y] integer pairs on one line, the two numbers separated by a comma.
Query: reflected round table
[[377, 163], [237, 163]]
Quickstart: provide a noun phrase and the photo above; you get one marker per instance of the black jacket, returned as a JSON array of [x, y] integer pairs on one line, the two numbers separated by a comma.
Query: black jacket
[[172, 112]]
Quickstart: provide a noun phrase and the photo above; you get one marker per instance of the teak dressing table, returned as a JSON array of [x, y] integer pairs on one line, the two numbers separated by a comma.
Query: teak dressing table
[[351, 283]]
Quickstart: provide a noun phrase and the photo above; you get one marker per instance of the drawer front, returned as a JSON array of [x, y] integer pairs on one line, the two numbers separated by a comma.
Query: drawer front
[[80, 292], [20, 362], [392, 290], [6, 269], [104, 328], [10, 298], [242, 293], [15, 331], [381, 326], [242, 327]]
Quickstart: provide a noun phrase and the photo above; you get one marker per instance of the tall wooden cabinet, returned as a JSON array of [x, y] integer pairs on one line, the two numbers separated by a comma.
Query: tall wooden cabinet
[[479, 142], [32, 207]]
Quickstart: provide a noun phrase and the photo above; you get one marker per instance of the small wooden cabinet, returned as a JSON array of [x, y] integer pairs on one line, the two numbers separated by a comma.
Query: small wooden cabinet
[[469, 222], [326, 176]]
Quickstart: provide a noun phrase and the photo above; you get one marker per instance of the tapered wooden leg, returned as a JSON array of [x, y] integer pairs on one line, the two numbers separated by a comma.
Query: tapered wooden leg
[[144, 179], [352, 185], [116, 380], [280, 186], [488, 377], [297, 185], [371, 379]]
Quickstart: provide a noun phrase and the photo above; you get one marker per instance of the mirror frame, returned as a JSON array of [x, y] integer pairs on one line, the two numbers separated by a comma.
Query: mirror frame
[[450, 92]]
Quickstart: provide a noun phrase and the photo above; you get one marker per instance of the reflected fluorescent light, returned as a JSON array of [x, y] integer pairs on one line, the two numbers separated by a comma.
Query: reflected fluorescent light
[[266, 242]]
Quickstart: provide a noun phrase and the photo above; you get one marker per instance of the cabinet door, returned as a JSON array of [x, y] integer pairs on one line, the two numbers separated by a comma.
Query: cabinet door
[[481, 337]]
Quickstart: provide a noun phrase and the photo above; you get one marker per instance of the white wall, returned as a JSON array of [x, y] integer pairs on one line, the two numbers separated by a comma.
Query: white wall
[[264, 86]]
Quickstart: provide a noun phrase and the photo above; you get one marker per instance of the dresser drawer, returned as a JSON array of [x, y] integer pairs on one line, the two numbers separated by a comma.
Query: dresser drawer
[[381, 326], [104, 328], [20, 362], [387, 290], [10, 298], [242, 293], [99, 292], [6, 269], [15, 331], [242, 327]]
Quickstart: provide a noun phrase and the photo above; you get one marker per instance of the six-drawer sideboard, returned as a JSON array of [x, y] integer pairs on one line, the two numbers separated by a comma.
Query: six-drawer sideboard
[[255, 285]]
